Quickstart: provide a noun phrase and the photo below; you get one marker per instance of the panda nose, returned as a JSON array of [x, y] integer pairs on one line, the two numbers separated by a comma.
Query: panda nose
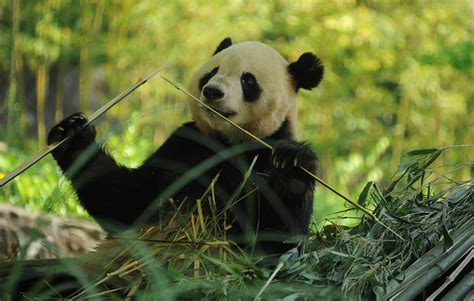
[[212, 93]]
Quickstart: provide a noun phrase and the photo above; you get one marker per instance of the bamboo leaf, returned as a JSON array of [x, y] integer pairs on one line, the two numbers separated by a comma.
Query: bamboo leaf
[[418, 152], [448, 240], [365, 192]]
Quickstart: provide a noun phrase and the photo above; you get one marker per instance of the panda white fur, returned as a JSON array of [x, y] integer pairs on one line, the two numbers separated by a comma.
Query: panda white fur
[[255, 87]]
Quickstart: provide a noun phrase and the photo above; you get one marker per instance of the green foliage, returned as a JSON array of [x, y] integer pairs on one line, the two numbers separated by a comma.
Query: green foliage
[[41, 188]]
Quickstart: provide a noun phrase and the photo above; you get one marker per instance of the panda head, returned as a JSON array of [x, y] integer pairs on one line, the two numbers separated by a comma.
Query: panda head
[[254, 86]]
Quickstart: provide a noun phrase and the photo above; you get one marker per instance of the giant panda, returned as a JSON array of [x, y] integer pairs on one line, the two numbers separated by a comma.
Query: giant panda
[[251, 84]]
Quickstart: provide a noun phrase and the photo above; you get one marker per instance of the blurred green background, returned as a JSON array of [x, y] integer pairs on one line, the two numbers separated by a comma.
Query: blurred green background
[[398, 77]]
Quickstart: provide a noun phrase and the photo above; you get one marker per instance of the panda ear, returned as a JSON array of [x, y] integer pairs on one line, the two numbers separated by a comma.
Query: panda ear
[[227, 42], [307, 72]]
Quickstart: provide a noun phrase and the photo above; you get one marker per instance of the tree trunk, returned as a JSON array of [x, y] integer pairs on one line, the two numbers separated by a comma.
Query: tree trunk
[[41, 88], [12, 107], [399, 130]]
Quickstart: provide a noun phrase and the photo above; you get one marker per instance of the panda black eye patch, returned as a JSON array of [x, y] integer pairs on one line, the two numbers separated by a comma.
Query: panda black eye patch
[[250, 87], [206, 77]]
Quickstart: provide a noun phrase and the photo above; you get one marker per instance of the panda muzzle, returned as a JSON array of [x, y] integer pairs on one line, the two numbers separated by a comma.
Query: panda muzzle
[[212, 93]]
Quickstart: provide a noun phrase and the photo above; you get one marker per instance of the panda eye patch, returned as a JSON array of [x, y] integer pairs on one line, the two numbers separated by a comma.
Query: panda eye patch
[[248, 79], [250, 87], [203, 81]]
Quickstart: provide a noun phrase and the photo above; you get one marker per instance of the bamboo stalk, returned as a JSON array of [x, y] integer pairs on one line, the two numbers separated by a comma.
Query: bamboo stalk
[[267, 283], [49, 148], [452, 277], [417, 274], [462, 290]]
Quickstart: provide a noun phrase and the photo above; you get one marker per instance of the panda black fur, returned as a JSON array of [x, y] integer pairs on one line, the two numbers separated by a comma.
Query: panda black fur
[[251, 84]]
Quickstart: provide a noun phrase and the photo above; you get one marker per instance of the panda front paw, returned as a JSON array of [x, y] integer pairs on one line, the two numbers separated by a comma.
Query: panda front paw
[[288, 160], [289, 155], [75, 124]]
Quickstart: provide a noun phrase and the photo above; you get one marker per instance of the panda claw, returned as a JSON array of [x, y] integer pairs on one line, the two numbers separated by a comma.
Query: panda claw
[[69, 126], [78, 117]]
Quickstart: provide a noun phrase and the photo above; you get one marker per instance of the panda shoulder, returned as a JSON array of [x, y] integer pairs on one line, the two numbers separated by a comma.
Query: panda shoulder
[[185, 130], [181, 140], [189, 136], [189, 125]]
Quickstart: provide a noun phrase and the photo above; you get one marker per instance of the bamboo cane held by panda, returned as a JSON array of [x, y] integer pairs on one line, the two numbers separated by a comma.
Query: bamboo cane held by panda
[[51, 147]]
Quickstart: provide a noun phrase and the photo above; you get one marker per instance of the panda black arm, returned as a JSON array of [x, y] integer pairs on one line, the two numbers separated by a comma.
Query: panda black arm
[[108, 191], [111, 192], [293, 186]]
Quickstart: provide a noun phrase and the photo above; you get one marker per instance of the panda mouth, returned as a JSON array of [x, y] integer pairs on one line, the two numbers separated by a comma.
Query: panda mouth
[[226, 114]]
